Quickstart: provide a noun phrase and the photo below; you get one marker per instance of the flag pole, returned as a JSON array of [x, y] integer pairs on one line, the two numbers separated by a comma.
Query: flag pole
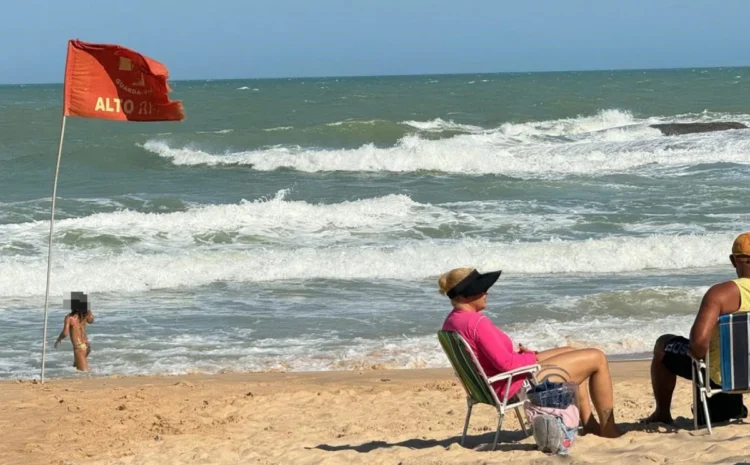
[[49, 250], [52, 213]]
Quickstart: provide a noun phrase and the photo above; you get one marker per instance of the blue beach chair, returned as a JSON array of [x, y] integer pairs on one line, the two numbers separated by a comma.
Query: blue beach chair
[[734, 345]]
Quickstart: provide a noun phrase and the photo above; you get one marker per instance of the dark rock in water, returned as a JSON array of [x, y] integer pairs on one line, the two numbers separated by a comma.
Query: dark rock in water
[[673, 129]]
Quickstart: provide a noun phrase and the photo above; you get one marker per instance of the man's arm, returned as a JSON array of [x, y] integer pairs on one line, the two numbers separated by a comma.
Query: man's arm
[[90, 317], [720, 299]]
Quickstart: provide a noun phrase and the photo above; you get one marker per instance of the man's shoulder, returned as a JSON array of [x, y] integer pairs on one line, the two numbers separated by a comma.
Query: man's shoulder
[[726, 294], [723, 287]]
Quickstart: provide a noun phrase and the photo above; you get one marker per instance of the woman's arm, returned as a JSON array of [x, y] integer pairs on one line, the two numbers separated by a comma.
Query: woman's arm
[[65, 331], [490, 342]]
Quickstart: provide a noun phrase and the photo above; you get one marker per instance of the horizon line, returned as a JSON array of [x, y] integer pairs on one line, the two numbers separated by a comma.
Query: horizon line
[[351, 76]]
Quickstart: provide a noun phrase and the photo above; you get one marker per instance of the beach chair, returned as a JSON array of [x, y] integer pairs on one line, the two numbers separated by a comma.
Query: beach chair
[[734, 329], [476, 384]]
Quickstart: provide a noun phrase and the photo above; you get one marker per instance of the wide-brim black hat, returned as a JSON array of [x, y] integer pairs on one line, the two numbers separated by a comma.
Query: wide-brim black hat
[[474, 284]]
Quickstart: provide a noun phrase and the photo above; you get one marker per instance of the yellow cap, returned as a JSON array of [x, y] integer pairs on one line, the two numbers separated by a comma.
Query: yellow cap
[[741, 245]]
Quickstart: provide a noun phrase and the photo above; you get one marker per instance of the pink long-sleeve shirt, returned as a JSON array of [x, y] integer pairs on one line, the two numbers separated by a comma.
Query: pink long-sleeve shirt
[[493, 348]]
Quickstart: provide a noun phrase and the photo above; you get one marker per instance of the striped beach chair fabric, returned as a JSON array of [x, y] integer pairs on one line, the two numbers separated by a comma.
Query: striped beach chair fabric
[[476, 384], [734, 346], [733, 343]]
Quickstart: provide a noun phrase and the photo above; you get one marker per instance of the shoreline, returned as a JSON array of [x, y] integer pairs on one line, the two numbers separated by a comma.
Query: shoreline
[[619, 368], [613, 358]]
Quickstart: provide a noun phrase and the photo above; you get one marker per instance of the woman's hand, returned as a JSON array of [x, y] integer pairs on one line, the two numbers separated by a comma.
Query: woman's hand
[[522, 349]]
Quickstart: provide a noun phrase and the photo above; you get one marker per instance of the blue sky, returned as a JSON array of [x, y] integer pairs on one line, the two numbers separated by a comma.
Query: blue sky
[[259, 38]]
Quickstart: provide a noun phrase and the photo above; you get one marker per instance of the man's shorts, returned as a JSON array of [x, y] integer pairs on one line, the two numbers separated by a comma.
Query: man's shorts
[[722, 406], [676, 357]]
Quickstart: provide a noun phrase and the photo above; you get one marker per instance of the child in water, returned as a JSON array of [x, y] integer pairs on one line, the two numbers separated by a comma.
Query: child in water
[[75, 324]]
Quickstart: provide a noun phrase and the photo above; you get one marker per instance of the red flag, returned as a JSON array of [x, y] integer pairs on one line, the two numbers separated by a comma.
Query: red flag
[[112, 82]]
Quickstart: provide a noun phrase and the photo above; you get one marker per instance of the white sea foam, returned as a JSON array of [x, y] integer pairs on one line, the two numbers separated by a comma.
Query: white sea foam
[[618, 322], [131, 271], [473, 155], [603, 120], [220, 131], [211, 352], [611, 335], [274, 218], [606, 119], [280, 221], [439, 125], [607, 142], [353, 123]]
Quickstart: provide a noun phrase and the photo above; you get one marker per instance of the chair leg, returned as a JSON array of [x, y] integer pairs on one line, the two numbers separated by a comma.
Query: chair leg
[[521, 421], [695, 399], [705, 412], [699, 389], [466, 423], [500, 415]]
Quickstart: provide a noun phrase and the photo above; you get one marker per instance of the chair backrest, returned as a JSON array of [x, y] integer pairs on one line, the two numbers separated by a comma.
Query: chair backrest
[[467, 368], [734, 334]]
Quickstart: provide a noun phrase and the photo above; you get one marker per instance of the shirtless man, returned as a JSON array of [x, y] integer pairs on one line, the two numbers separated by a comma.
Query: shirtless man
[[75, 325], [672, 353]]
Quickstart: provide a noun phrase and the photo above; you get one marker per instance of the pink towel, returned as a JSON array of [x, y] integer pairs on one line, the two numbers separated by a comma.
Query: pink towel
[[569, 416]]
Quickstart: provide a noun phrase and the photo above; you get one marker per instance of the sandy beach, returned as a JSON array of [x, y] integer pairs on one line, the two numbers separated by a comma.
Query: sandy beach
[[374, 417]]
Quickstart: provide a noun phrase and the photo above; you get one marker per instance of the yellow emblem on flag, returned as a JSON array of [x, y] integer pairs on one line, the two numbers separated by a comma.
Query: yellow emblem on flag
[[125, 64]]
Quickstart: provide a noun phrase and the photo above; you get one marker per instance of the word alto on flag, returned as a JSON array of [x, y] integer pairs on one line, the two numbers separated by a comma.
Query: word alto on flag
[[113, 82]]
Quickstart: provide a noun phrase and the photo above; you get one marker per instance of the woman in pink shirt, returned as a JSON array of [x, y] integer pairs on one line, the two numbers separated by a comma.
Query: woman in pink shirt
[[467, 289]]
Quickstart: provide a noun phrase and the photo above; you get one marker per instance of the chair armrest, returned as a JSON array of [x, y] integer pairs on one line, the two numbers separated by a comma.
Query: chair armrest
[[698, 361], [512, 373]]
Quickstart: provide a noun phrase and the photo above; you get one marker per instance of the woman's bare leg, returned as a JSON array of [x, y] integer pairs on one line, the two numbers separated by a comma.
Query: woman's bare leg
[[589, 423], [79, 360], [545, 354], [588, 364]]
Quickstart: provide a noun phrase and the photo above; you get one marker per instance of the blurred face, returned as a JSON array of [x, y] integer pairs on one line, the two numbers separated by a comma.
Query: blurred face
[[741, 263], [482, 301], [478, 302]]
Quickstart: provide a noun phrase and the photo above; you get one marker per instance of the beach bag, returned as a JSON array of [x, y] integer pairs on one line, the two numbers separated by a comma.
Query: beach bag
[[552, 436], [722, 407], [554, 395], [552, 411]]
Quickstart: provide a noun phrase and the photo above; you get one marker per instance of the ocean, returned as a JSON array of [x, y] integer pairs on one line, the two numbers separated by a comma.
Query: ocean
[[301, 224]]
